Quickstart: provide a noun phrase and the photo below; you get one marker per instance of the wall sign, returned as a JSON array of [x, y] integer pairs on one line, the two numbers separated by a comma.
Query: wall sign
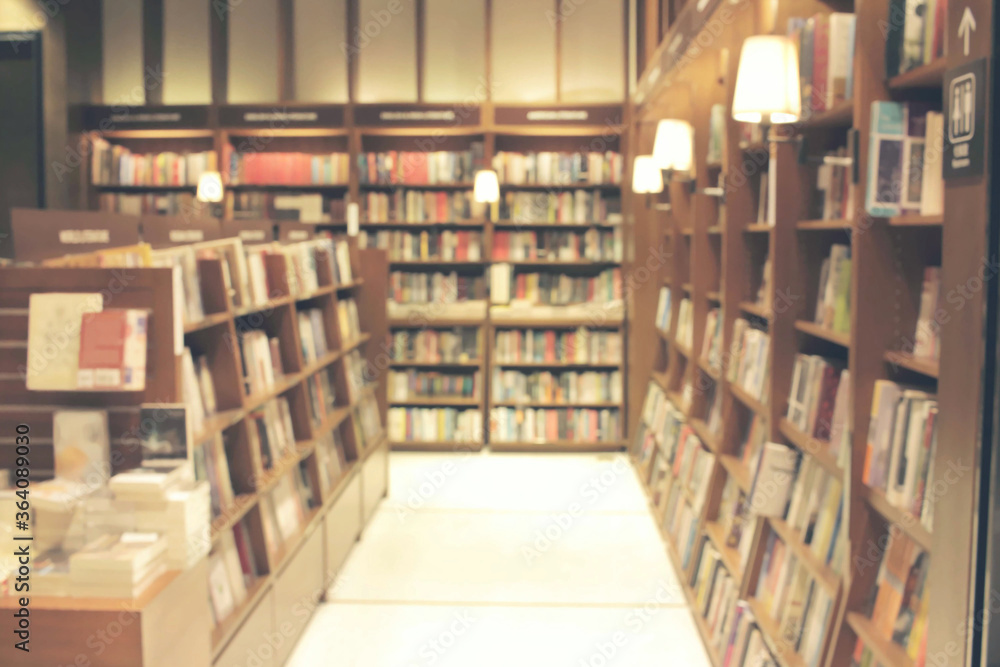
[[408, 115], [603, 115], [965, 120], [110, 118], [249, 231], [163, 231], [261, 116], [43, 234]]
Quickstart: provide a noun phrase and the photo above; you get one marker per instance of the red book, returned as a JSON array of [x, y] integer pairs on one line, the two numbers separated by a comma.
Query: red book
[[827, 397], [821, 59], [521, 286], [113, 350], [550, 346]]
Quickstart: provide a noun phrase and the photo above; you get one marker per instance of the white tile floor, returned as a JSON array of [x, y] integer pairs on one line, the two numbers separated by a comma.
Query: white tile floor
[[480, 560]]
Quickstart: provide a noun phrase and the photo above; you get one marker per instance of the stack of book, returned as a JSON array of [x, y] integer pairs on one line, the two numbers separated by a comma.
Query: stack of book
[[423, 288], [262, 364], [927, 338], [462, 344], [582, 346], [267, 168], [559, 289], [826, 60], [663, 310], [118, 565], [711, 344], [899, 603], [795, 601], [271, 433], [113, 164], [312, 335], [232, 571], [557, 388], [914, 34], [833, 299], [181, 511], [685, 324], [902, 440], [404, 385], [348, 321], [818, 403], [572, 207], [448, 245], [905, 160], [322, 397], [750, 368], [594, 244], [421, 167], [435, 425], [550, 168], [421, 206], [549, 424]]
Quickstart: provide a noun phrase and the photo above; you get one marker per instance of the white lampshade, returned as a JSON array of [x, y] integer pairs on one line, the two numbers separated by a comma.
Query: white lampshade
[[487, 189], [673, 147], [767, 82], [646, 175], [210, 187]]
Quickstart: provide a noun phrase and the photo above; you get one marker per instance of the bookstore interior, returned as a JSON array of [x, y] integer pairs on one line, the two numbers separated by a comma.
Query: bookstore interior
[[253, 254]]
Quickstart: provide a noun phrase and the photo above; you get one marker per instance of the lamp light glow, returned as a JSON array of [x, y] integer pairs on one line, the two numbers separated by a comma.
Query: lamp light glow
[[673, 147], [646, 175], [487, 187], [210, 187], [767, 81]]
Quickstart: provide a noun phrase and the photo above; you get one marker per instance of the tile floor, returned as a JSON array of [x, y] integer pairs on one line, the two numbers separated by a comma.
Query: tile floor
[[489, 560]]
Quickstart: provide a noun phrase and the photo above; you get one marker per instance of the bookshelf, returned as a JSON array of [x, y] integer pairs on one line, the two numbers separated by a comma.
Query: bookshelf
[[304, 561], [716, 255]]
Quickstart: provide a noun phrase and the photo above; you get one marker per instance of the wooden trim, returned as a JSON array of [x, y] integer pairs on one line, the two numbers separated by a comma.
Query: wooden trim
[[152, 48], [286, 50], [421, 55], [219, 41]]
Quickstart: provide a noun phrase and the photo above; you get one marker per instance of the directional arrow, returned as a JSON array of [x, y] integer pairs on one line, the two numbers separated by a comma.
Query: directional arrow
[[966, 26]]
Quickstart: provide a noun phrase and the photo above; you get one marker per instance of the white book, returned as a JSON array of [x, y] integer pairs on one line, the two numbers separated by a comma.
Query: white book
[[932, 186], [772, 480]]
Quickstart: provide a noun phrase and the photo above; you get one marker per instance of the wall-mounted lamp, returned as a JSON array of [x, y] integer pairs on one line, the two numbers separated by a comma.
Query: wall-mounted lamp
[[646, 175], [487, 187], [767, 82], [210, 191]]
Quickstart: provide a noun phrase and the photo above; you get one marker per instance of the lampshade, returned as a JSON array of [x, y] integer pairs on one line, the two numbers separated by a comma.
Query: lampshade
[[767, 82], [487, 188], [646, 175], [673, 147], [210, 187]]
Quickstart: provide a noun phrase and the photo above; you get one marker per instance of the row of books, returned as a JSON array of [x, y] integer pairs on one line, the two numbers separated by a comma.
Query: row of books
[[685, 323], [232, 571], [575, 206], [422, 206], [914, 34], [462, 344], [818, 402], [749, 368], [435, 287], [272, 168], [308, 207], [582, 346], [826, 60], [663, 310], [357, 374], [322, 395], [302, 274], [421, 167], [271, 433], [796, 602], [167, 203], [593, 244], [558, 168], [927, 337], [198, 390], [435, 425], [348, 320], [835, 192], [114, 164], [553, 289], [899, 603], [284, 509], [262, 362], [448, 245], [211, 464], [554, 424], [569, 387], [901, 444], [331, 460], [905, 160], [403, 385], [833, 299], [312, 335], [711, 342], [367, 422]]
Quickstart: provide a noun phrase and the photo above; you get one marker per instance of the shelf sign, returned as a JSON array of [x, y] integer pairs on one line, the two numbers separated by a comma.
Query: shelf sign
[[964, 120], [43, 234], [110, 118], [261, 116], [249, 231], [603, 115], [163, 231], [410, 115]]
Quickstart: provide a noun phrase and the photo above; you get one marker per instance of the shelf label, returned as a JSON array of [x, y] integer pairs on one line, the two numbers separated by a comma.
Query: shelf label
[[603, 115], [41, 234], [410, 115], [120, 117], [277, 117], [163, 231], [964, 119]]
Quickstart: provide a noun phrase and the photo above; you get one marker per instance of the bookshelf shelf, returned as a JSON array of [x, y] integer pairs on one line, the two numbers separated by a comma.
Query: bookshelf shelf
[[682, 350], [561, 365], [442, 401], [894, 516], [917, 221], [715, 296], [555, 187], [474, 363], [553, 323], [208, 322], [821, 332], [730, 556], [841, 115], [780, 649], [434, 322], [402, 224], [841, 224], [928, 76], [757, 228], [232, 515], [602, 405], [223, 632], [709, 370], [715, 230], [511, 224], [749, 401], [701, 430], [436, 446], [557, 446], [817, 449], [560, 264], [416, 186], [115, 187], [924, 366], [664, 335], [736, 469], [793, 540], [347, 287], [661, 380], [755, 309], [436, 264], [888, 653], [287, 187]]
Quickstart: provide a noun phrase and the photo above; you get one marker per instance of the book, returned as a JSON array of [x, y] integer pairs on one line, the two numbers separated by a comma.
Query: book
[[113, 350], [772, 481], [164, 432], [54, 327], [81, 447]]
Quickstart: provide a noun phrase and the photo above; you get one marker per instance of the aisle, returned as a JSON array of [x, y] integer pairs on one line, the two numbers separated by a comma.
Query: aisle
[[480, 560]]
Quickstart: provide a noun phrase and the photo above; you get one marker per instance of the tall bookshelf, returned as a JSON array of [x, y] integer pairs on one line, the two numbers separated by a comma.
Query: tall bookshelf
[[717, 249], [303, 565]]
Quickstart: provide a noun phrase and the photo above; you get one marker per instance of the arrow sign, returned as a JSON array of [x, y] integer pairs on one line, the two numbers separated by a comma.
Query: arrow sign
[[966, 26]]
